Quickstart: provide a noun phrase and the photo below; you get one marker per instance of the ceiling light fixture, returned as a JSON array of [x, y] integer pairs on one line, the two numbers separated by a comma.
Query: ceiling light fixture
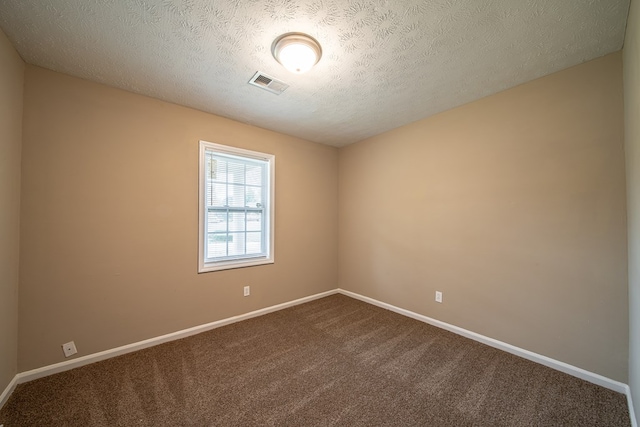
[[297, 52]]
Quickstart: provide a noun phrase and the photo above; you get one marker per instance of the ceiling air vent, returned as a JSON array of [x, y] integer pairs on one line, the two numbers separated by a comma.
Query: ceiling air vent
[[269, 83]]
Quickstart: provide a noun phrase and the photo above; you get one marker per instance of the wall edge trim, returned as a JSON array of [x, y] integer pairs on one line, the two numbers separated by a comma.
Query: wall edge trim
[[632, 412], [500, 345], [67, 365]]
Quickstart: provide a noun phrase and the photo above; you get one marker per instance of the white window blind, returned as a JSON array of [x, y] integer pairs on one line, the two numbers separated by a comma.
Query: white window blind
[[236, 218]]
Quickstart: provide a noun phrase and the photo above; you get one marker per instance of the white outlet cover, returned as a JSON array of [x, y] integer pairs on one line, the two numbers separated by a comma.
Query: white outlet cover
[[69, 349], [247, 291], [438, 296]]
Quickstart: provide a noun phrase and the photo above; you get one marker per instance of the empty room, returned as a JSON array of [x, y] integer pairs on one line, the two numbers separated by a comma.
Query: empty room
[[319, 213]]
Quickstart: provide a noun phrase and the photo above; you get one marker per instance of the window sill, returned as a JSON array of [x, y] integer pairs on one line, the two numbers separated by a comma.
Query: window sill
[[228, 265]]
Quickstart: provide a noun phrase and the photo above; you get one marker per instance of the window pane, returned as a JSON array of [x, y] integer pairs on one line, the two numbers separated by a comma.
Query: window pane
[[216, 221], [216, 245], [235, 173], [254, 243], [216, 194], [254, 175], [236, 195], [217, 169], [254, 197], [236, 244], [236, 221], [254, 221]]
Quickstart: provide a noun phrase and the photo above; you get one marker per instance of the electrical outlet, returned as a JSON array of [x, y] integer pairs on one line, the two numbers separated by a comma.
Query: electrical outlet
[[438, 296], [69, 349], [247, 291]]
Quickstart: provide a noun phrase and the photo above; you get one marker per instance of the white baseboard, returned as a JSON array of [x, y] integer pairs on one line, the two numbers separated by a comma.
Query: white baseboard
[[538, 358], [7, 391], [34, 374]]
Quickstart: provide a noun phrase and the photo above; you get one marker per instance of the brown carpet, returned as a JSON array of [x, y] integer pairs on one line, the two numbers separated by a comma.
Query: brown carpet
[[331, 362]]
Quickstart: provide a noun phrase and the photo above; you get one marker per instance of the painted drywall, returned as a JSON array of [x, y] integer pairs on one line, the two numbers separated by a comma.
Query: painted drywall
[[11, 89], [110, 220], [513, 206], [631, 66]]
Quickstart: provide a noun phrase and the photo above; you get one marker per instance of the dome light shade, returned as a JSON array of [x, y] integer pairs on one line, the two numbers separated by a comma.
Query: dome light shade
[[297, 52]]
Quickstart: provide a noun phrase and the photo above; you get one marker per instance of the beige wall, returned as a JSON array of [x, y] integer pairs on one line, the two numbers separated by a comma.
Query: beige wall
[[109, 219], [513, 206], [631, 61], [11, 88]]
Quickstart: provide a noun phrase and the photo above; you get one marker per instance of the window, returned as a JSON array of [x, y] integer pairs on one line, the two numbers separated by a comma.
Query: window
[[236, 207]]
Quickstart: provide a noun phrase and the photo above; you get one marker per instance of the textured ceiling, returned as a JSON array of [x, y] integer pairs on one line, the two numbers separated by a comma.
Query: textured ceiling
[[385, 63]]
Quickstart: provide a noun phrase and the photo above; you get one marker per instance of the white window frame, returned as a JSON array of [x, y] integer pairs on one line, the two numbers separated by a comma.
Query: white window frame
[[205, 265]]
